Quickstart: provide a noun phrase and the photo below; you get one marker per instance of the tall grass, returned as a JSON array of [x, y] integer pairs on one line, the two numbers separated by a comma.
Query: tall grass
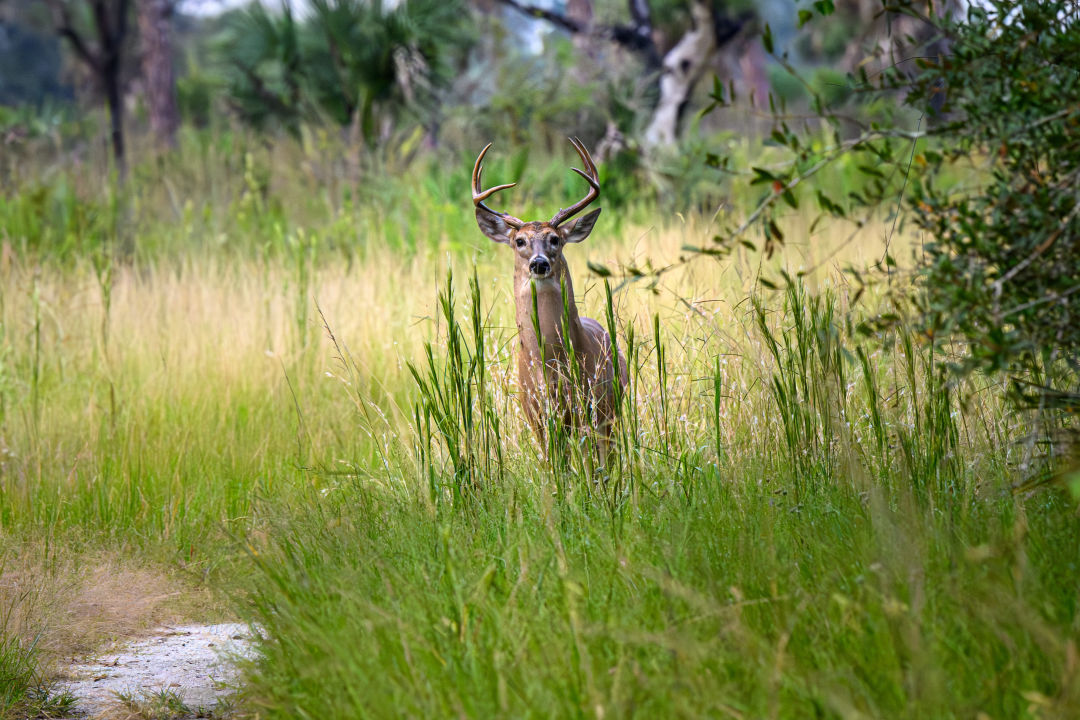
[[256, 365], [801, 570], [24, 692]]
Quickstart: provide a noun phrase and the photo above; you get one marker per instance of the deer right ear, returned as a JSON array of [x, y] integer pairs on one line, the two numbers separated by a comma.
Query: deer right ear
[[579, 228], [493, 226]]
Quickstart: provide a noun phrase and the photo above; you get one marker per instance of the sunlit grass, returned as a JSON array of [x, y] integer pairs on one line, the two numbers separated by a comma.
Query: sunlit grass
[[168, 407]]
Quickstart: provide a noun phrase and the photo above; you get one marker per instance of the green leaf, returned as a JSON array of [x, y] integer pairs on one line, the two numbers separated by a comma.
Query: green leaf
[[826, 204], [774, 231], [762, 175], [598, 269], [717, 93], [804, 17], [719, 162], [698, 250], [767, 39], [1072, 481]]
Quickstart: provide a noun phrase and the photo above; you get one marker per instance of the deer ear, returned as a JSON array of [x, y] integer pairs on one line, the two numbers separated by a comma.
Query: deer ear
[[493, 226], [579, 228]]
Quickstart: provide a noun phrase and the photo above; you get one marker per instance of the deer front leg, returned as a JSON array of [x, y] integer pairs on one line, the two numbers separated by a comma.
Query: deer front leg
[[546, 411], [532, 404]]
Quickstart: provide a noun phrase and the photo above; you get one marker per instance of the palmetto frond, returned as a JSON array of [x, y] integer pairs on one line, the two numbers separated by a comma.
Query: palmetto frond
[[345, 58]]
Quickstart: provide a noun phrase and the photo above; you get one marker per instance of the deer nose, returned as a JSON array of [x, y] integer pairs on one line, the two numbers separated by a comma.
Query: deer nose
[[539, 265]]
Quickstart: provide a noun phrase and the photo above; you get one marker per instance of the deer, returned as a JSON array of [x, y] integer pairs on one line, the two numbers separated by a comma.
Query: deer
[[552, 336]]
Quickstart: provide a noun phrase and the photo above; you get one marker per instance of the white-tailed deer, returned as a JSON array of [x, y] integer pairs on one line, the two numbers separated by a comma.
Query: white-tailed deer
[[543, 292]]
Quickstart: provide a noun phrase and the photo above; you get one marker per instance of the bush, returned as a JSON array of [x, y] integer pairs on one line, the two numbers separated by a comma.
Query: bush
[[1001, 267], [998, 270]]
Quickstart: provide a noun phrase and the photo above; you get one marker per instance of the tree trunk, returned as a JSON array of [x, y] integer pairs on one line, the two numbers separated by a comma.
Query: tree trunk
[[581, 12], [105, 60], [752, 65], [115, 99], [683, 66], [155, 36]]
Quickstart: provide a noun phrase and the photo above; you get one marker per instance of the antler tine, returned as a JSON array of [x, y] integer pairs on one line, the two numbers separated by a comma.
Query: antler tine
[[591, 175], [586, 157], [479, 196]]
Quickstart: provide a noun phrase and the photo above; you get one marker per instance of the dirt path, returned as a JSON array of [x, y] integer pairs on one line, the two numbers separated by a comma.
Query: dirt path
[[185, 665]]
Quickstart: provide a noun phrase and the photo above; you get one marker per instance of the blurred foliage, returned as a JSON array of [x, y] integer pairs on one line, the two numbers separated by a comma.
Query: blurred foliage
[[832, 87], [349, 61], [195, 97], [541, 94], [30, 67], [24, 122], [840, 29], [828, 41], [53, 220]]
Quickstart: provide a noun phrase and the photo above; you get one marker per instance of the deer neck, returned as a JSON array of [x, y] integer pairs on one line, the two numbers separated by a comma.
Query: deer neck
[[550, 306]]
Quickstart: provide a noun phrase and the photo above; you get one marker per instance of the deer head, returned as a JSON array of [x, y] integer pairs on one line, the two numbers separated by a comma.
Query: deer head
[[538, 245]]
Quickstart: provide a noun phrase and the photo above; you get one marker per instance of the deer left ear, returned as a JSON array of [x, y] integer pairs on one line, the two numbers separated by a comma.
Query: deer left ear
[[579, 228], [493, 226]]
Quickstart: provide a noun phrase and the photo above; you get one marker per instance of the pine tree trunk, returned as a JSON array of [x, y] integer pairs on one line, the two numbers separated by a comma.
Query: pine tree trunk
[[581, 12], [115, 100], [155, 36]]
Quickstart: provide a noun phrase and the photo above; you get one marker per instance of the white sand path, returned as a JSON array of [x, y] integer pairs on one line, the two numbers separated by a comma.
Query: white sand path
[[193, 662]]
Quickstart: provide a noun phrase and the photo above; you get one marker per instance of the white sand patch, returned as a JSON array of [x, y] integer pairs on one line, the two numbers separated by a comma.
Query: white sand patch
[[196, 663]]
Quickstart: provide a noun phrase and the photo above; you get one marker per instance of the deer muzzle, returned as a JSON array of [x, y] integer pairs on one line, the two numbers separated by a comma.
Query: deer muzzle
[[539, 266]]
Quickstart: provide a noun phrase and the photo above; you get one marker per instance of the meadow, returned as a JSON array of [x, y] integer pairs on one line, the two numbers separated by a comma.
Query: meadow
[[276, 383]]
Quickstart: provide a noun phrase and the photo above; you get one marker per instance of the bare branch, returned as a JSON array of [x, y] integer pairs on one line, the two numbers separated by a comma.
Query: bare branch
[[540, 13], [639, 34], [641, 14], [636, 37], [726, 27], [65, 27]]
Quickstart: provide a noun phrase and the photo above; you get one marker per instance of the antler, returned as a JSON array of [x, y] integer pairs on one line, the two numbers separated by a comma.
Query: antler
[[478, 196], [593, 178]]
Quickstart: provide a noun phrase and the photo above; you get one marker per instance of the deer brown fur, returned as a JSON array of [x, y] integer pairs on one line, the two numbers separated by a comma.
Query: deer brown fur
[[543, 293]]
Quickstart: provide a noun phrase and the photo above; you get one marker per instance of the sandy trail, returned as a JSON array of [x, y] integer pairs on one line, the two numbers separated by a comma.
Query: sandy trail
[[194, 662]]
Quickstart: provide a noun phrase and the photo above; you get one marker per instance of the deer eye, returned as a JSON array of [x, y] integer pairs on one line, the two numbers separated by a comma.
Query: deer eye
[[554, 240], [521, 242]]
